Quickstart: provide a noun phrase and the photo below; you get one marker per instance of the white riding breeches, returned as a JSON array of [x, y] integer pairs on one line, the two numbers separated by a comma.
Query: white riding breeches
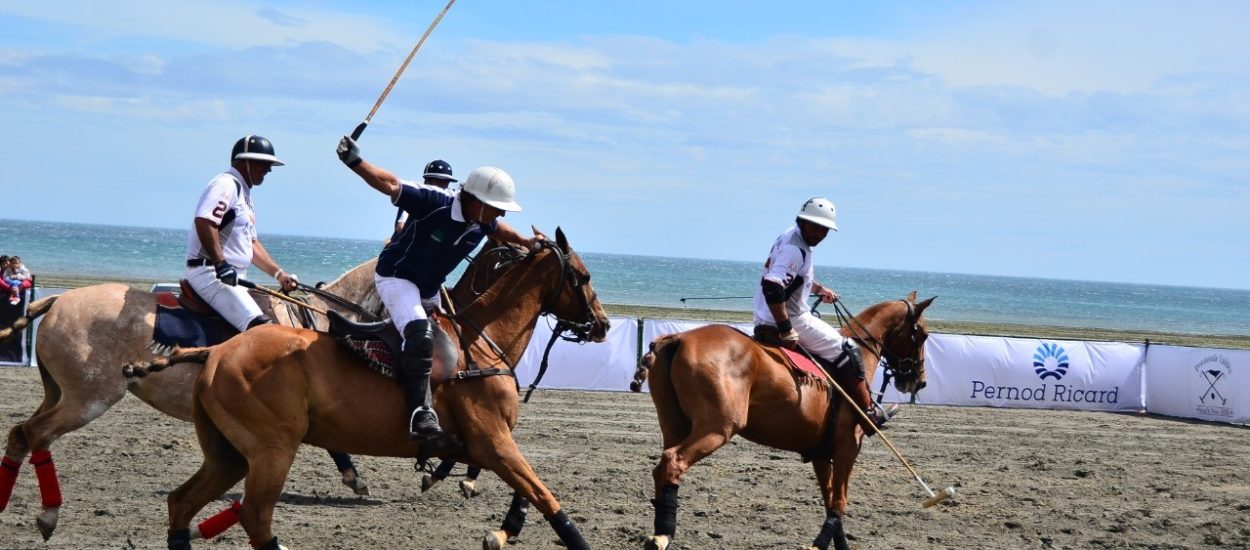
[[403, 300], [233, 303], [818, 337]]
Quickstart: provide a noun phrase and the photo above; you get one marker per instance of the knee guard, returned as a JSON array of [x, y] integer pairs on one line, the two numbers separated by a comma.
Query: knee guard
[[854, 360]]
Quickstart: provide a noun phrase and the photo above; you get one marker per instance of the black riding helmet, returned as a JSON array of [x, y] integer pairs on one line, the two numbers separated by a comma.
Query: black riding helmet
[[254, 147], [438, 170]]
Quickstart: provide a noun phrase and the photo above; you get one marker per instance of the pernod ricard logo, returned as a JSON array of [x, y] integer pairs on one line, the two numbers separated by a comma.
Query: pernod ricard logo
[[1213, 370], [1050, 361]]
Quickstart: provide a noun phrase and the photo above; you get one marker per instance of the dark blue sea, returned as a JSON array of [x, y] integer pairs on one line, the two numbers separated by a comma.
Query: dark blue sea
[[97, 251]]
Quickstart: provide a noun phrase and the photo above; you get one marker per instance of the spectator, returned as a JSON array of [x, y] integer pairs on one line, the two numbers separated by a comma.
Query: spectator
[[17, 278]]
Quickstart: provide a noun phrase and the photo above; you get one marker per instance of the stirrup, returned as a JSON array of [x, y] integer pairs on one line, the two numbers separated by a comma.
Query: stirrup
[[423, 424]]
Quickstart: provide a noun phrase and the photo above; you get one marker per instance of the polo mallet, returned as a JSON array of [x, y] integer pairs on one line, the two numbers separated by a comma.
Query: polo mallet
[[934, 498], [360, 129], [249, 284]]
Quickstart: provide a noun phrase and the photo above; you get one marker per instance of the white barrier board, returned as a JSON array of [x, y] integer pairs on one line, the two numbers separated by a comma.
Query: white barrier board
[[1029, 373], [1209, 384], [603, 366]]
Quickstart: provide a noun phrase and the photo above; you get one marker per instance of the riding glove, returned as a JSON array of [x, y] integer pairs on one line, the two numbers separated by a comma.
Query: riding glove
[[226, 273], [348, 152]]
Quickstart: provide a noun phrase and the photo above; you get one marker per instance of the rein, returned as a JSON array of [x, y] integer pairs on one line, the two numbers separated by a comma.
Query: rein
[[328, 296], [579, 332]]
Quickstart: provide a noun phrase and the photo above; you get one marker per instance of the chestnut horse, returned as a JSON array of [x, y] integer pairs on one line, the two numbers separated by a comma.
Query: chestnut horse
[[714, 382], [271, 388], [86, 333]]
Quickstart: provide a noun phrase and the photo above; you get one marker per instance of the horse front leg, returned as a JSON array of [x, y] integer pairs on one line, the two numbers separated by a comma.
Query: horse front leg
[[831, 530], [501, 455]]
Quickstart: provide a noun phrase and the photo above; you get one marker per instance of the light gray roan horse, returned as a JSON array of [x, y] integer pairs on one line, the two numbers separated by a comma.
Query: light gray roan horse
[[86, 333]]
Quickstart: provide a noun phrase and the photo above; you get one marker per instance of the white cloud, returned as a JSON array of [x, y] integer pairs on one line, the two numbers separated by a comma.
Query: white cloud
[[227, 24]]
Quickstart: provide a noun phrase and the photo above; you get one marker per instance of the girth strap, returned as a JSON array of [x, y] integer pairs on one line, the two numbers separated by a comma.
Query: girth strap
[[482, 373]]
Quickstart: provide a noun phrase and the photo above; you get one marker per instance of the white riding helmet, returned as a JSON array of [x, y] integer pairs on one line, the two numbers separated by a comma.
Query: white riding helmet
[[492, 186], [820, 212]]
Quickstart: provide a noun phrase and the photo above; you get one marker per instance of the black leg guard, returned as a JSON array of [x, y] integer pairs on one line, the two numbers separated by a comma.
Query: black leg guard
[[569, 535], [342, 461], [415, 368], [261, 319], [444, 469], [271, 545], [666, 511], [179, 539], [515, 520], [832, 531]]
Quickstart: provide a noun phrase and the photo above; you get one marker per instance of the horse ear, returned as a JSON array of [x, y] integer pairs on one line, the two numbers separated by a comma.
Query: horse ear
[[561, 240], [912, 297], [922, 305]]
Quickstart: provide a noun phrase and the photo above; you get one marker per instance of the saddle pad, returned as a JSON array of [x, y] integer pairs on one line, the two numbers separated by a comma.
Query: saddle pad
[[801, 363], [373, 350], [176, 326]]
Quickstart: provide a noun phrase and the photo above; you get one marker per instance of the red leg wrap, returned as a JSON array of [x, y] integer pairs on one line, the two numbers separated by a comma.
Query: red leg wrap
[[8, 476], [218, 524], [49, 485]]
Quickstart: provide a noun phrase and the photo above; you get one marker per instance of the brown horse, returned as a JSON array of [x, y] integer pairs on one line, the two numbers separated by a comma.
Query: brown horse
[[271, 388], [85, 334], [714, 382]]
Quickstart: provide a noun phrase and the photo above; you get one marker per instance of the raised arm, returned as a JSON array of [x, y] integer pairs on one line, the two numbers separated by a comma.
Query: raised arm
[[377, 177]]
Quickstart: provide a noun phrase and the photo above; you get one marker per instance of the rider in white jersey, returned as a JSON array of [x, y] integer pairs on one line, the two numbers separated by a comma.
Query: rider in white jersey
[[781, 301], [223, 241]]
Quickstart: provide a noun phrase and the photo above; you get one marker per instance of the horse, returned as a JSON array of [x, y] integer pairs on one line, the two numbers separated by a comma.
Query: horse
[[85, 334], [263, 393], [714, 382]]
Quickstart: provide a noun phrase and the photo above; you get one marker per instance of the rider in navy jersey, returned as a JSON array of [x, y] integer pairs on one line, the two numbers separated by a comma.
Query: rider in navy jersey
[[442, 230]]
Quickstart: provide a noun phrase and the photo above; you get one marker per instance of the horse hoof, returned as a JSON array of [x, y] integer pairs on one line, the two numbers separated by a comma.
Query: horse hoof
[[427, 481], [468, 488], [658, 542], [356, 483], [494, 540], [46, 522]]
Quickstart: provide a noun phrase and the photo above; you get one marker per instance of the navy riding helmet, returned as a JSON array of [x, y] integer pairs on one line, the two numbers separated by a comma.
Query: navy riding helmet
[[254, 147], [438, 170]]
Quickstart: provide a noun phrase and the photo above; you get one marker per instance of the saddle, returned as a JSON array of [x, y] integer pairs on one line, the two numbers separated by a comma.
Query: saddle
[[378, 344], [186, 320]]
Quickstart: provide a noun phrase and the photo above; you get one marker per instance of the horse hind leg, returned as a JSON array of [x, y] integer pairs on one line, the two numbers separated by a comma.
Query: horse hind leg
[[70, 412], [223, 466], [702, 441], [17, 446]]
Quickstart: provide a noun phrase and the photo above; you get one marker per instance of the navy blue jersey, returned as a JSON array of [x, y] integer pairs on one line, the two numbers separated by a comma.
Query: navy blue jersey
[[433, 242]]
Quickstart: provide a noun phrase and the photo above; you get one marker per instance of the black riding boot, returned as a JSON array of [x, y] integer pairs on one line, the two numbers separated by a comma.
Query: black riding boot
[[859, 392], [414, 376]]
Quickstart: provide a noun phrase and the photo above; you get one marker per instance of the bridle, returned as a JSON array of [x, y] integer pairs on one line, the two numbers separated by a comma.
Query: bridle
[[564, 329], [907, 368]]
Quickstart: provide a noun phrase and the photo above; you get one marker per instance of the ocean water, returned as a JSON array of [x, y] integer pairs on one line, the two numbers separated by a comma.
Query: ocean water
[[67, 249]]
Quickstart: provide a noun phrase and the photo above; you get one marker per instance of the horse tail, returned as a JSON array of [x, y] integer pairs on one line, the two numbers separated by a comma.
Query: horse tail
[[657, 364], [180, 355], [36, 309]]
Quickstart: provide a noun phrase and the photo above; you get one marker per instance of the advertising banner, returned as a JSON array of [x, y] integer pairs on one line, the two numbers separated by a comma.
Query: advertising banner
[[604, 366], [1208, 384], [1030, 373]]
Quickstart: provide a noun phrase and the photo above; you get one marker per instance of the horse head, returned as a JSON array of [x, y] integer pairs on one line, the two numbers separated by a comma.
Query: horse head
[[897, 332], [566, 292]]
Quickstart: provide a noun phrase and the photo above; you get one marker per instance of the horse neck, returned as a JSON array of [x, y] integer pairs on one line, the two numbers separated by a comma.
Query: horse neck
[[355, 286], [509, 309], [876, 321]]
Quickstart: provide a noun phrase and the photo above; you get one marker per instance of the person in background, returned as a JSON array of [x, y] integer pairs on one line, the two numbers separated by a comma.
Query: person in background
[[17, 278], [781, 303], [443, 229], [437, 175], [223, 240]]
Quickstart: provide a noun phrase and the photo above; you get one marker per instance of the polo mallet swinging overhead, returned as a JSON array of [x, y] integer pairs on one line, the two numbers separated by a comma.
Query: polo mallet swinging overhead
[[360, 129], [934, 498]]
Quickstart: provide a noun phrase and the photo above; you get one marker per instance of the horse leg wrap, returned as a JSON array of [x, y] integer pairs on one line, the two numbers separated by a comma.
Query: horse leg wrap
[[515, 520], [271, 545], [218, 523], [342, 461], [49, 485], [666, 511], [179, 539], [569, 535], [832, 531], [8, 476]]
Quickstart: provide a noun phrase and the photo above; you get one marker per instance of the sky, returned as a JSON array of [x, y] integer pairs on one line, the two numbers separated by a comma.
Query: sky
[[1105, 140]]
